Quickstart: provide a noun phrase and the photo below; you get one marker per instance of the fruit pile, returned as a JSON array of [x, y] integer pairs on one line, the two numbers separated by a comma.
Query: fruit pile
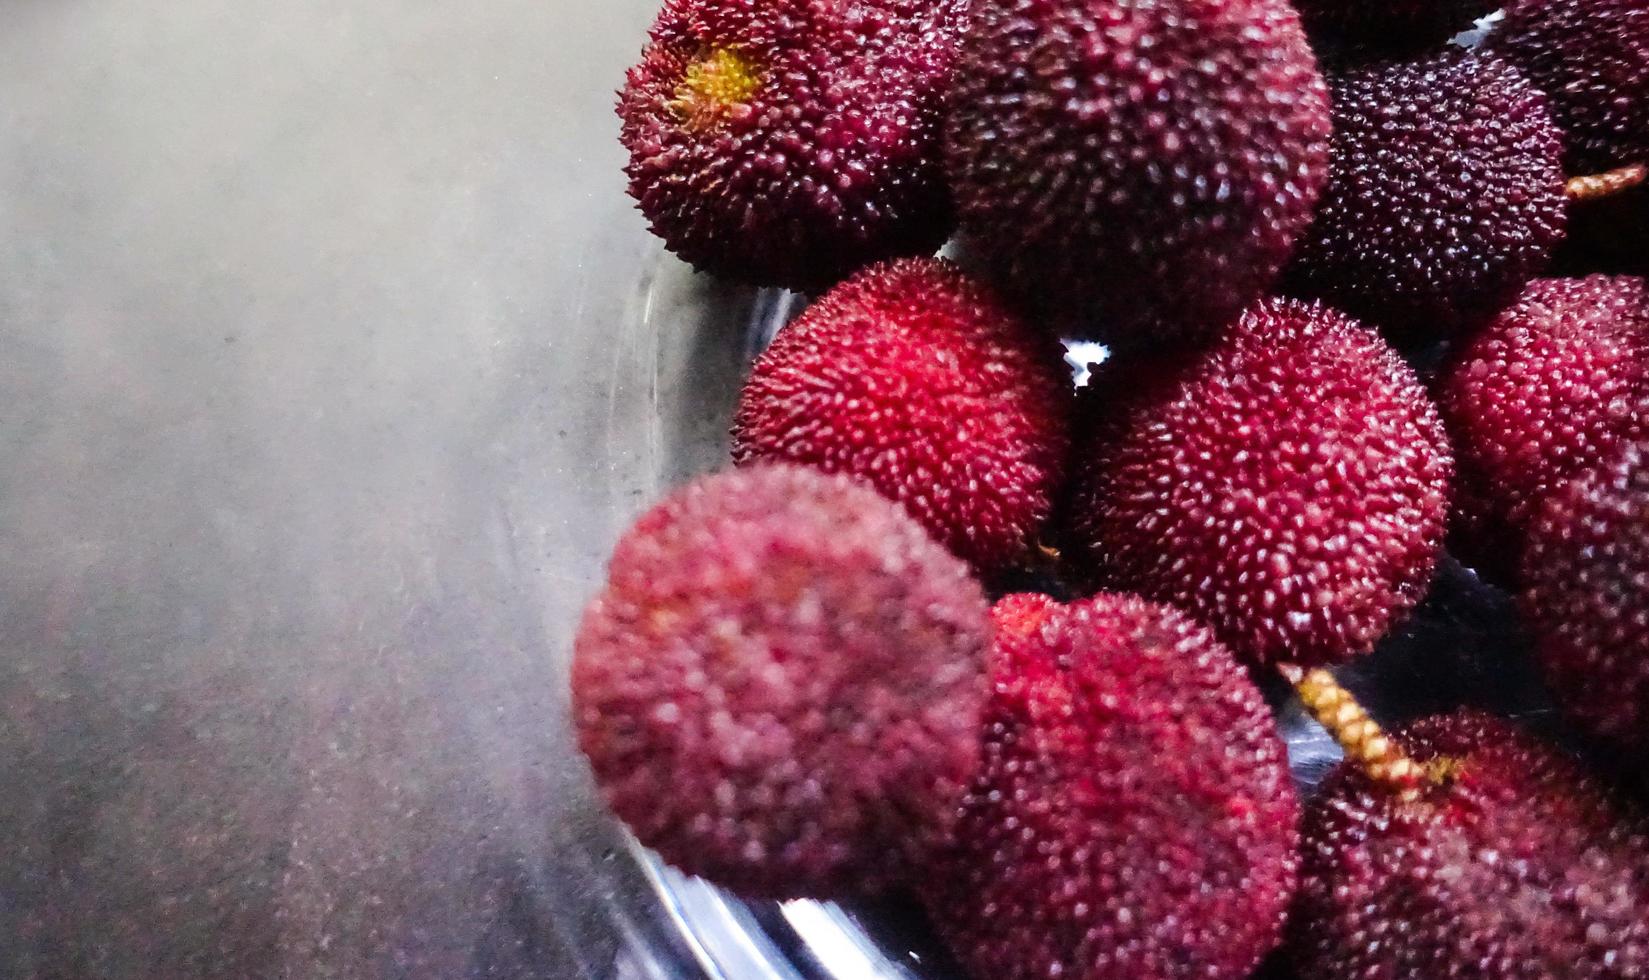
[[955, 628]]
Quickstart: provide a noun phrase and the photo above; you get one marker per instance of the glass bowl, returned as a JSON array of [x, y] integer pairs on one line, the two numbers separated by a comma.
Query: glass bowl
[[694, 338]]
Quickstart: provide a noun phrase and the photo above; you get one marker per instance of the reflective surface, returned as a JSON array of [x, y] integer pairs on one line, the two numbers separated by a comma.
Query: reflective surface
[[332, 361], [316, 422]]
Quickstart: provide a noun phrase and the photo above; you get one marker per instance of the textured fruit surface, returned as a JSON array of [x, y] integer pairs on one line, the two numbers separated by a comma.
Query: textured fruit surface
[[1140, 167], [1586, 595], [1445, 194], [1546, 388], [780, 687], [1135, 816], [1510, 866], [1288, 487], [1390, 25], [788, 142], [914, 378], [1592, 58]]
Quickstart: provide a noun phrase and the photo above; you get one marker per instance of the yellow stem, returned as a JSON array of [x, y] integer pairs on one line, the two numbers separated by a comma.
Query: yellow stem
[[1593, 186], [1356, 732]]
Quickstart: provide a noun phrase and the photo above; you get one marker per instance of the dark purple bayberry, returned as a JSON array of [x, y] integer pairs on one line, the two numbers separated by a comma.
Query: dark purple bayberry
[[1586, 595], [1138, 169], [1508, 864], [1592, 58], [1445, 194]]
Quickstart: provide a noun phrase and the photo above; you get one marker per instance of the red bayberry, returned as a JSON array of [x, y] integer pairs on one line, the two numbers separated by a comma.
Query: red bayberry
[[1141, 167], [1586, 579], [914, 378], [1135, 816], [1546, 388], [1445, 194], [780, 687], [1510, 865], [1592, 58], [787, 142], [1288, 487]]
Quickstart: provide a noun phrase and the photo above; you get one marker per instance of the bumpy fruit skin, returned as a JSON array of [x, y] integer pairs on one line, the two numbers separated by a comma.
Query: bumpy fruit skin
[[780, 688], [1389, 26], [1592, 58], [1135, 816], [1586, 595], [1548, 387], [1445, 194], [788, 142], [1137, 168], [1289, 487], [914, 377], [1511, 866]]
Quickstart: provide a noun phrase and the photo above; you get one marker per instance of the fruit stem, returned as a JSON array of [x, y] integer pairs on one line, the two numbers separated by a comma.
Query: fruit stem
[[1593, 186], [1356, 732]]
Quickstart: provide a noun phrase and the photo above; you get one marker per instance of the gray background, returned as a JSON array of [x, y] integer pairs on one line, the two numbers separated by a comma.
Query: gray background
[[329, 368]]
